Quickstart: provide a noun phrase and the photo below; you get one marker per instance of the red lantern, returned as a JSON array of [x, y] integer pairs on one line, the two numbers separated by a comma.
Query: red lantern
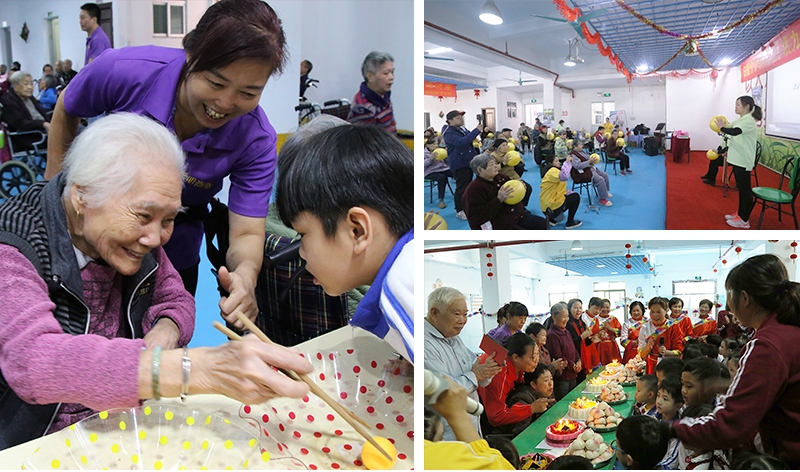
[[715, 271], [651, 269], [489, 264], [627, 246], [793, 257], [738, 250], [628, 266], [793, 244], [440, 98], [724, 261], [644, 259], [489, 255], [490, 274], [477, 93], [714, 74], [627, 256]]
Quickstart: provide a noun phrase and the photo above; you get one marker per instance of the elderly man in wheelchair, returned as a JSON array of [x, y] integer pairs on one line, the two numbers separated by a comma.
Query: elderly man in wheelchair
[[26, 124]]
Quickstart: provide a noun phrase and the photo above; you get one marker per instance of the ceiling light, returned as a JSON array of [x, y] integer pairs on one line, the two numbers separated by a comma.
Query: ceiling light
[[490, 14], [600, 266], [569, 61], [726, 61], [436, 51], [711, 2], [614, 273], [642, 69], [576, 246]]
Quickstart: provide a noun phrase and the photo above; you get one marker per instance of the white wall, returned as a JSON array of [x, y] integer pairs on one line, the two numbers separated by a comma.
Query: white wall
[[465, 100], [692, 102], [641, 104], [335, 38]]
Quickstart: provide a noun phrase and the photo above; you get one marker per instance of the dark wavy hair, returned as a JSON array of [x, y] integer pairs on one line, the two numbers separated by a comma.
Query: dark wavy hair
[[235, 29], [765, 279]]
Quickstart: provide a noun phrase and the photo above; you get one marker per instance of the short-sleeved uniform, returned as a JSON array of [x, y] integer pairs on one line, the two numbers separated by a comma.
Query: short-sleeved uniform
[[144, 80], [96, 43]]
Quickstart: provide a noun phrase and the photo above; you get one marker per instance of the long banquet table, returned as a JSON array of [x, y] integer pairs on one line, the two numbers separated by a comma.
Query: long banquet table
[[528, 440]]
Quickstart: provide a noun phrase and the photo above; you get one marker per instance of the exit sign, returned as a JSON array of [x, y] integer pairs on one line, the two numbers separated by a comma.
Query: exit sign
[[533, 100], [606, 94]]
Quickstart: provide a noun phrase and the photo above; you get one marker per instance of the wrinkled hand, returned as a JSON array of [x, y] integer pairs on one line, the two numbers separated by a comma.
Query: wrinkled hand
[[165, 333], [243, 370], [487, 370], [504, 193], [241, 297], [559, 364], [577, 367], [542, 404], [428, 217]]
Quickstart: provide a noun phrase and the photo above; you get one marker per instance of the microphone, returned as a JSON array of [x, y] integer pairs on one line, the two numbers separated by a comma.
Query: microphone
[[435, 385]]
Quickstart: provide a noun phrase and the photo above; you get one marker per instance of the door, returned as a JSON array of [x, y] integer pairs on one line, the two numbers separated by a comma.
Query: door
[[106, 22], [54, 39], [488, 118]]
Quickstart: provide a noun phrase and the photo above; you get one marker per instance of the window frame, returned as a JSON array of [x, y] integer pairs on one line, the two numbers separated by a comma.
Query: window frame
[[169, 4]]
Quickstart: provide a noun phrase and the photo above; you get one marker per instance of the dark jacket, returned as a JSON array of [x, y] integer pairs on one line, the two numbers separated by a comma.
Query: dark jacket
[[18, 118], [522, 393], [561, 346], [460, 150], [481, 205], [581, 168], [35, 223]]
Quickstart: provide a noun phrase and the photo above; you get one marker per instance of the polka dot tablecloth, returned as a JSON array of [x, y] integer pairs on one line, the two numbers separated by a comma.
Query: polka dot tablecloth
[[214, 432], [156, 437]]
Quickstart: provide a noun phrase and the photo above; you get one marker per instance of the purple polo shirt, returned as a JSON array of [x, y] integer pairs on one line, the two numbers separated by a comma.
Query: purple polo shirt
[[143, 80], [95, 45]]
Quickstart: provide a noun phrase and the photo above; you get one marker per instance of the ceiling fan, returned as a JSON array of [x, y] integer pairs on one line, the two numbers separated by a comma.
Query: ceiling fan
[[520, 81], [576, 25], [437, 58]]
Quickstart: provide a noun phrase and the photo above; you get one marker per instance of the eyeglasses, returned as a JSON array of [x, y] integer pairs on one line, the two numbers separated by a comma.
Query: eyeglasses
[[617, 448]]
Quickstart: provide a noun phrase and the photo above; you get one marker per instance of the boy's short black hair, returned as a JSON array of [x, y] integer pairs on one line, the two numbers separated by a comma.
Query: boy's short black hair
[[534, 328], [506, 448], [571, 463], [731, 343], [344, 167], [673, 386], [692, 352], [704, 369], [431, 420], [540, 369], [644, 438], [714, 339], [696, 411], [709, 350], [671, 367], [650, 382]]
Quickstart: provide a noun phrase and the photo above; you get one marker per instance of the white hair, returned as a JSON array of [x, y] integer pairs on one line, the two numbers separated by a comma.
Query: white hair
[[319, 124], [374, 61], [105, 158], [18, 76], [443, 297]]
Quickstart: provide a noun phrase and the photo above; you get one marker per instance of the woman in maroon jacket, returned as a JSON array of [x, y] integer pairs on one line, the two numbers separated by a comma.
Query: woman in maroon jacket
[[560, 345], [484, 200], [764, 395]]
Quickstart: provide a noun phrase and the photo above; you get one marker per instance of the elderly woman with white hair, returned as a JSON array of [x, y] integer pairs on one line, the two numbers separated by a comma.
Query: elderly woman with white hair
[[23, 112], [373, 102], [93, 314]]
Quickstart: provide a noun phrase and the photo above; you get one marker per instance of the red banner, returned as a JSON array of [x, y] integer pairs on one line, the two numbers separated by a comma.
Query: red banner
[[438, 89], [779, 50]]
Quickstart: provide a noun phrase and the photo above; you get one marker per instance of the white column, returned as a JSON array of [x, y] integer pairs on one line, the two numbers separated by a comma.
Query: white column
[[497, 288]]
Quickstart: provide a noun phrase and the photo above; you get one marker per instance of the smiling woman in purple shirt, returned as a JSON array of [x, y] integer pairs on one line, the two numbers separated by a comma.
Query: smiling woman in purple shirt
[[208, 94]]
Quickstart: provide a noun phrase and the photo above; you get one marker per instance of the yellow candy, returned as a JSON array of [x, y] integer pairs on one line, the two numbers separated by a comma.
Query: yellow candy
[[374, 460]]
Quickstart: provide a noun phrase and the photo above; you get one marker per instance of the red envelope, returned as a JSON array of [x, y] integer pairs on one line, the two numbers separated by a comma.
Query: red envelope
[[489, 346]]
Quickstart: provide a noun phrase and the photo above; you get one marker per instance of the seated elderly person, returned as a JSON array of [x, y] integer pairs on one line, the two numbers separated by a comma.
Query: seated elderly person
[[373, 102], [22, 112], [484, 200], [93, 314], [48, 95], [499, 150], [583, 170]]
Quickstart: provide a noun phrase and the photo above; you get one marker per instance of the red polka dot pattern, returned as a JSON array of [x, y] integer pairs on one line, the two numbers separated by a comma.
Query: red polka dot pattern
[[265, 418], [374, 364], [379, 425], [363, 389], [407, 389], [317, 434], [334, 465], [312, 467], [389, 400], [330, 417], [370, 409], [343, 395], [401, 456], [303, 451], [292, 415], [381, 383], [326, 449], [310, 418], [347, 447], [356, 369], [400, 418], [247, 409], [296, 434], [338, 432], [358, 463]]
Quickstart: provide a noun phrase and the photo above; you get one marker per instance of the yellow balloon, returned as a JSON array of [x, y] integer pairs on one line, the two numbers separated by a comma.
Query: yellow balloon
[[490, 135], [432, 219], [524, 138], [620, 142], [439, 154], [713, 123], [513, 158], [373, 459], [594, 158], [551, 136], [607, 135], [476, 144], [518, 192], [588, 136], [569, 143], [511, 147], [712, 155], [512, 141], [438, 133]]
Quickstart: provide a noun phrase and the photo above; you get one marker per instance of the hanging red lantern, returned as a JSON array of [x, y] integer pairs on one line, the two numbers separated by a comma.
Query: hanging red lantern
[[793, 244], [440, 98], [714, 74], [628, 266], [793, 257], [627, 256], [477, 93], [490, 274], [715, 271], [627, 246], [724, 261], [489, 264], [644, 259], [489, 255], [651, 269], [738, 250]]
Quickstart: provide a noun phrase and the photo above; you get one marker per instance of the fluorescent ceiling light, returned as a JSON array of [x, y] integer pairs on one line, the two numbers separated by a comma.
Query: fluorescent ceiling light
[[600, 266], [436, 51], [726, 61], [614, 273], [490, 14]]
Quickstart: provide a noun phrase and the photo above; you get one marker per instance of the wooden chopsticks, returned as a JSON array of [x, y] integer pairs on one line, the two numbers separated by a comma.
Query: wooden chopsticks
[[347, 415]]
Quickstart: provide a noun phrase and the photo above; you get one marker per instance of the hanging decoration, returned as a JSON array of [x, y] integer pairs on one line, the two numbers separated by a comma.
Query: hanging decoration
[[440, 98], [793, 255], [489, 266], [747, 19], [477, 93], [738, 250], [628, 257], [594, 38]]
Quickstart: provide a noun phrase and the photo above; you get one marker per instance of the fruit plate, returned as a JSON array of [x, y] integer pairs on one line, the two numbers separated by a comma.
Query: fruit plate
[[159, 436], [618, 402]]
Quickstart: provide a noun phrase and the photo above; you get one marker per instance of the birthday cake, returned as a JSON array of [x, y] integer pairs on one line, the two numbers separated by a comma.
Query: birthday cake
[[579, 408], [595, 385], [562, 432], [608, 374], [614, 366]]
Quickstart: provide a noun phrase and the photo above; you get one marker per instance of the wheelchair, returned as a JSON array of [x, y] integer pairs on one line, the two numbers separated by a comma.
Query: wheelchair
[[26, 166]]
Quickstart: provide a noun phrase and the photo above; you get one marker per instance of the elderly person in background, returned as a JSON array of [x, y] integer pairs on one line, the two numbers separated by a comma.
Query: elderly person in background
[[93, 315], [445, 352], [22, 112], [373, 102], [48, 95], [485, 196], [69, 73]]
